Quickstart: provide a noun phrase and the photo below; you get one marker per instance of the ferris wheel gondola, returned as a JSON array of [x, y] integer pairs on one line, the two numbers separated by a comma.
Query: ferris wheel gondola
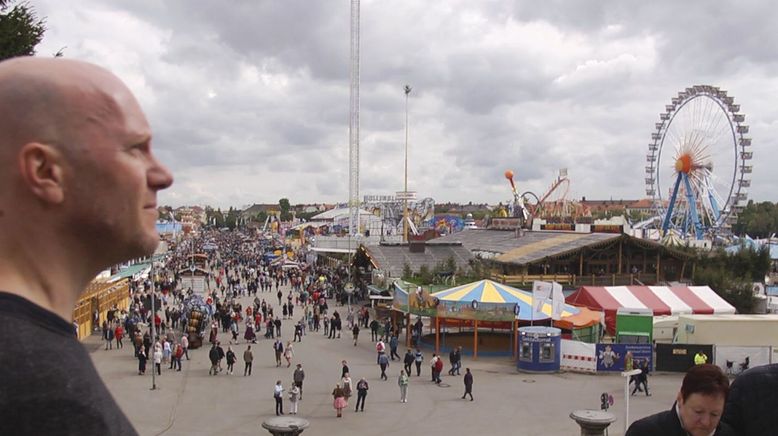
[[698, 163]]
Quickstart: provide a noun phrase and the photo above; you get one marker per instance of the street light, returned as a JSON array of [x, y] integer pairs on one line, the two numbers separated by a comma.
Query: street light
[[153, 317], [405, 193]]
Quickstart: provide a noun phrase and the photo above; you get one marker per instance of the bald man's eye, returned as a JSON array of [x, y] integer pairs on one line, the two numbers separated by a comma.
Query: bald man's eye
[[139, 149]]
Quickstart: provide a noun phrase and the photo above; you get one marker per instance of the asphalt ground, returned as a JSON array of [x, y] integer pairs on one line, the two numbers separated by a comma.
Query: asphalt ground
[[191, 402]]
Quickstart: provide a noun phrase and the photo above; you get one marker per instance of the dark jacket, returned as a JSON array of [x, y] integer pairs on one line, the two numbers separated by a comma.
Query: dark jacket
[[213, 355], [667, 424], [752, 401]]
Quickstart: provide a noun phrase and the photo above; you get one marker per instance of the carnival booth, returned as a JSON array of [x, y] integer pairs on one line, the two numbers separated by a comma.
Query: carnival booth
[[539, 349], [661, 300], [484, 304]]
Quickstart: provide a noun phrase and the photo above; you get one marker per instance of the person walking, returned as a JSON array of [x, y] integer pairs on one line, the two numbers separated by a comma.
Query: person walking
[[299, 377], [418, 358], [344, 369], [393, 342], [383, 362], [118, 334], [433, 367], [374, 330], [278, 347], [455, 357], [355, 332], [185, 345], [158, 360], [380, 349], [408, 362], [339, 400], [278, 392], [642, 379], [213, 356], [298, 331], [220, 350], [277, 324], [248, 359], [142, 361], [294, 398], [346, 383], [362, 388], [402, 381], [231, 358], [288, 353], [178, 353], [468, 379]]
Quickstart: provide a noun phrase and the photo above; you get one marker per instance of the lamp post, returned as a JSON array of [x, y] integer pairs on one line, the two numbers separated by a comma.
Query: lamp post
[[153, 324], [405, 190]]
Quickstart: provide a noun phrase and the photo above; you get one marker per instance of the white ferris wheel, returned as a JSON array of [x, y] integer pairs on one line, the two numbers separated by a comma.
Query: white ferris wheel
[[698, 164]]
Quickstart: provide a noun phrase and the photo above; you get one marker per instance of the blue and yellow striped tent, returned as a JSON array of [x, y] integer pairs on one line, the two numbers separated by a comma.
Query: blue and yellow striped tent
[[489, 292]]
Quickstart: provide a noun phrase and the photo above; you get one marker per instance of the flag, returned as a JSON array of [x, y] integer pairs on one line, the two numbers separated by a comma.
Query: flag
[[540, 293], [557, 301]]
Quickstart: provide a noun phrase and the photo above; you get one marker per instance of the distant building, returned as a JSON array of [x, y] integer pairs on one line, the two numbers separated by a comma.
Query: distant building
[[599, 259], [612, 207]]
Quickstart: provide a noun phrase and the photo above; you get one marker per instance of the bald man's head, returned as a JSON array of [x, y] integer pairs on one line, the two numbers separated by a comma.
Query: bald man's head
[[75, 154], [50, 100]]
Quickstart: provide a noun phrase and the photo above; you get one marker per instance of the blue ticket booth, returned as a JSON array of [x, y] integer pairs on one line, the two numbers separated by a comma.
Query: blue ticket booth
[[539, 349]]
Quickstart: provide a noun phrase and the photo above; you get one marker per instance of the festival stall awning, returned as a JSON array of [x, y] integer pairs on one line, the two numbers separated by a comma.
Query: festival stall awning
[[490, 292], [661, 300], [486, 300]]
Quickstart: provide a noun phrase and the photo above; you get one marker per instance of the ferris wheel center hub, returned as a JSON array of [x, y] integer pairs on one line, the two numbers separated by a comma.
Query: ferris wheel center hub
[[683, 164]]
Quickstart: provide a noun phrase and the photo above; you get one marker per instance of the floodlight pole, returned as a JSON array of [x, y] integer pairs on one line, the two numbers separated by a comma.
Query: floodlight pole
[[405, 189]]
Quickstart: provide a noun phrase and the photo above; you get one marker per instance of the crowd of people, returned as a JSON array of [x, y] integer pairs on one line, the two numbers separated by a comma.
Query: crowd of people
[[249, 298]]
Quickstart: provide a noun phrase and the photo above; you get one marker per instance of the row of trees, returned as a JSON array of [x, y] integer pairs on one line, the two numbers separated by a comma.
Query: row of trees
[[732, 275], [758, 220]]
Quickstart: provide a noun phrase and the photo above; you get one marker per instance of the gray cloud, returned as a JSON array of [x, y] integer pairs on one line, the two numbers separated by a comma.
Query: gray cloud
[[249, 102]]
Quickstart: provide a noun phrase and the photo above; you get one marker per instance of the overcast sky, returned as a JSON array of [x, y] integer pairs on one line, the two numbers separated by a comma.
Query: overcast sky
[[249, 100]]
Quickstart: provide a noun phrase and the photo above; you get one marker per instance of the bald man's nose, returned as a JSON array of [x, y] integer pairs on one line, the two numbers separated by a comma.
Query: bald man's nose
[[159, 176]]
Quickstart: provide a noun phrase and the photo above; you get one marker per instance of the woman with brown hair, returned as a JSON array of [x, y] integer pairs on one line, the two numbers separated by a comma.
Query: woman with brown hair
[[697, 410], [339, 399]]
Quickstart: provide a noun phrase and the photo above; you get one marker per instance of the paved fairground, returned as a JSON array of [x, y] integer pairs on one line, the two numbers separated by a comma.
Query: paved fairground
[[191, 402]]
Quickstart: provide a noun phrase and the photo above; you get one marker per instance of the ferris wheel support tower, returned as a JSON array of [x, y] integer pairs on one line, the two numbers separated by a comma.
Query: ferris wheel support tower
[[353, 128]]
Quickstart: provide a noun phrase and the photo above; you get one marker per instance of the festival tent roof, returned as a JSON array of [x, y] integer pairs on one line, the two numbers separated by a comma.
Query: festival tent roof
[[488, 291], [661, 300]]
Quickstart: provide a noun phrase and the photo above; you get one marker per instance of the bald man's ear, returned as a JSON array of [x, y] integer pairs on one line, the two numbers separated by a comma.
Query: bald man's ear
[[41, 168]]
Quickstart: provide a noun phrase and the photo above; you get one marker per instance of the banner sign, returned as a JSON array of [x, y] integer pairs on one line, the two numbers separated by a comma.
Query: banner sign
[[612, 357], [558, 227]]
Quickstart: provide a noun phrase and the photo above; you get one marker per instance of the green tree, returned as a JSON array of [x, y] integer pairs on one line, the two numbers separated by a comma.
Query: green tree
[[231, 220], [407, 271], [20, 29], [425, 275], [260, 217], [759, 220], [285, 208], [731, 275]]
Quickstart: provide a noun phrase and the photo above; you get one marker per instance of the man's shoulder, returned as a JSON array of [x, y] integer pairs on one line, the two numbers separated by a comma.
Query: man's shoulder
[[65, 415], [51, 387]]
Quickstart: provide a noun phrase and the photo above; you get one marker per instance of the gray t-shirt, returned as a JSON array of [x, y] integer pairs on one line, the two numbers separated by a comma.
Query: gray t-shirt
[[48, 384]]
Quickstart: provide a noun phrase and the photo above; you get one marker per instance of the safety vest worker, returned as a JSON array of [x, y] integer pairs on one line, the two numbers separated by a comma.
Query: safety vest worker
[[700, 358]]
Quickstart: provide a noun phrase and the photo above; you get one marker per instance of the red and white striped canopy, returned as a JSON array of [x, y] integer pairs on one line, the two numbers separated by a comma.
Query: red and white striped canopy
[[662, 300]]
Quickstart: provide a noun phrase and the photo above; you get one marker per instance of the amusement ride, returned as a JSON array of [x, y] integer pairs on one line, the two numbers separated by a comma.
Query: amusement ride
[[698, 165]]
